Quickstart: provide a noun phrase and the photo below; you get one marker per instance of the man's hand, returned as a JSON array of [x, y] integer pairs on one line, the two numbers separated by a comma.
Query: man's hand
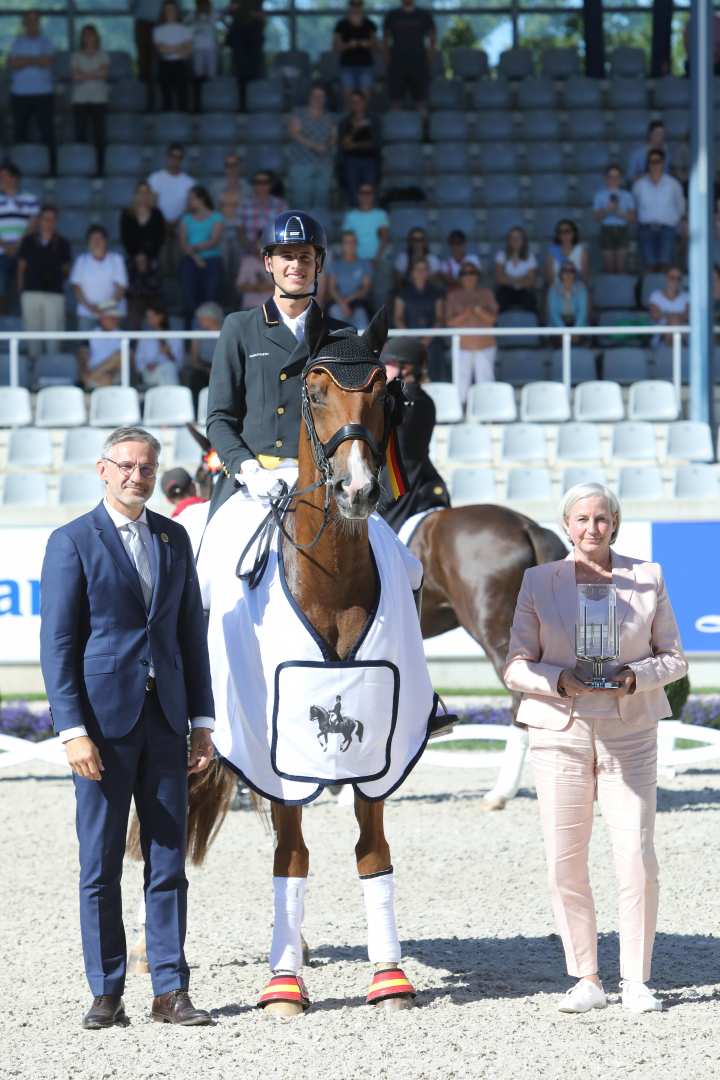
[[201, 750], [84, 758]]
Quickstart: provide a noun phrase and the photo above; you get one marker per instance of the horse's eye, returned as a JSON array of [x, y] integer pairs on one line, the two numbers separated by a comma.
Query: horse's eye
[[315, 398]]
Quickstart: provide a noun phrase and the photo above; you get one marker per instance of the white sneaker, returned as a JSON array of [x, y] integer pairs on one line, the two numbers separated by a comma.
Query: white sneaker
[[639, 998], [583, 997]]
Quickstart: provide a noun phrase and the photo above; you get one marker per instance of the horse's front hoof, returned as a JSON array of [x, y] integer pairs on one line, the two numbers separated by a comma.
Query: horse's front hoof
[[284, 1009], [285, 996], [391, 989], [395, 1004], [137, 959], [493, 802]]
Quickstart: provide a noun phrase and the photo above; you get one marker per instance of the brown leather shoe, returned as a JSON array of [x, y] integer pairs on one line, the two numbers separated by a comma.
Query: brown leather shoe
[[177, 1008], [104, 1012]]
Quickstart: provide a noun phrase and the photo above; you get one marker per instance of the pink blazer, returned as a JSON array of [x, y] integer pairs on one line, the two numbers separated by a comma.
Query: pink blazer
[[542, 643]]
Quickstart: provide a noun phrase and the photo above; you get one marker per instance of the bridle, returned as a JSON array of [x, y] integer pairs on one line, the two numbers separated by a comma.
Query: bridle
[[281, 498]]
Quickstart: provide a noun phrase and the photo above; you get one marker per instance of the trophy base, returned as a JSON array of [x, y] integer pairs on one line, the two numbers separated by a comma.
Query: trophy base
[[599, 682]]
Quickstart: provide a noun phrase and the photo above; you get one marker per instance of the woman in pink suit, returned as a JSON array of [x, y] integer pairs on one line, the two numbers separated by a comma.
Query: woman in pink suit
[[596, 744]]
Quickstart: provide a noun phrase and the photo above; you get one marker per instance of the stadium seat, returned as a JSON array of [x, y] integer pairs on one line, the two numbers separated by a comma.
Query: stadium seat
[[202, 406], [546, 158], [536, 94], [76, 159], [454, 190], [614, 291], [522, 442], [123, 128], [650, 282], [544, 403], [627, 94], [400, 125], [468, 63], [642, 482], [114, 406], [469, 486], [541, 127], [671, 93], [127, 95], [29, 448], [263, 128], [121, 65], [446, 94], [578, 442], [80, 488], [455, 217], [586, 125], [627, 62], [327, 66], [404, 158], [118, 191], [633, 440], [23, 372], [653, 399], [218, 128], [583, 366], [448, 409], [15, 409], [528, 484], [168, 127], [450, 157], [630, 125], [55, 369], [168, 406], [559, 63], [265, 95], [696, 482], [662, 360], [519, 366], [186, 450], [494, 95], [518, 319], [83, 446], [626, 364], [582, 474], [491, 403], [448, 127], [405, 218], [32, 159], [124, 159], [545, 219], [267, 156], [293, 64], [600, 402], [515, 63], [689, 440], [582, 93], [495, 127], [25, 489], [500, 220], [591, 158], [467, 442], [73, 191], [549, 190], [220, 95], [501, 158], [677, 123], [502, 191], [73, 225], [60, 406]]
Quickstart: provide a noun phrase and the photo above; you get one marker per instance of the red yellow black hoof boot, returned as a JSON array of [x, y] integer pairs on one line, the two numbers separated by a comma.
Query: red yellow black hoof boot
[[391, 985], [284, 995]]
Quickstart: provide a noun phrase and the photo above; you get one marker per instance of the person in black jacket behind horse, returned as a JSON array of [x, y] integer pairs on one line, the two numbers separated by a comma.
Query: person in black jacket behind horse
[[407, 359]]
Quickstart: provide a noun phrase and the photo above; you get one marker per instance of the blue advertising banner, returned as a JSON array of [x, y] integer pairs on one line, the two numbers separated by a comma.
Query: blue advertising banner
[[688, 552]]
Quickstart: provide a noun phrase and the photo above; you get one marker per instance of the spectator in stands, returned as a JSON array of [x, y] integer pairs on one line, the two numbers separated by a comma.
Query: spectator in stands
[[89, 69], [197, 374], [418, 247], [99, 278], [614, 208], [355, 41], [349, 284], [566, 247], [637, 163], [420, 304], [245, 34], [201, 268], [43, 268], [204, 48], [457, 256], [228, 194], [409, 38], [173, 45], [472, 305], [142, 231], [516, 271], [259, 209], [18, 214], [311, 151], [669, 306], [660, 207], [567, 300], [252, 279], [171, 187], [158, 362], [359, 143], [100, 360], [370, 224], [178, 487], [31, 84]]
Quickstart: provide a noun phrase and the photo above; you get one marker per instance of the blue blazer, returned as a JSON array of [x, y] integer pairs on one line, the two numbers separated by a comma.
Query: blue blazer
[[96, 638]]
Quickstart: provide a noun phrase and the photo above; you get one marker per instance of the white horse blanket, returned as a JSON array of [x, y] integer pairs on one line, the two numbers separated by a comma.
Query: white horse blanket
[[289, 718]]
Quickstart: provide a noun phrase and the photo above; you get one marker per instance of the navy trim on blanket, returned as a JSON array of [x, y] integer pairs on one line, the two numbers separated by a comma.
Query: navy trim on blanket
[[264, 794], [380, 873], [411, 765], [325, 664]]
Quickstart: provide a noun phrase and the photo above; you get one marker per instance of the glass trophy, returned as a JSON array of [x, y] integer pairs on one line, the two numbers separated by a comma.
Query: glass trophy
[[596, 631]]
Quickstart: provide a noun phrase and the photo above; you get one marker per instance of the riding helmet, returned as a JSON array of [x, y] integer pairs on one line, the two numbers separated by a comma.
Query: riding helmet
[[295, 227]]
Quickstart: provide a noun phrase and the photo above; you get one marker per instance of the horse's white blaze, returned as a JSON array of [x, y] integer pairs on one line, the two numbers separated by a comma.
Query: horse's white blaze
[[360, 474]]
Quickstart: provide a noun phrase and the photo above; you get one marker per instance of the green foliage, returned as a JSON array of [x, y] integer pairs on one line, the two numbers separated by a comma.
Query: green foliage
[[677, 694], [459, 35]]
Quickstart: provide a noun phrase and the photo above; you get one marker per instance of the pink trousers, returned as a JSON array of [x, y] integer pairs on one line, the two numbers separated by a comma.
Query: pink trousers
[[572, 768]]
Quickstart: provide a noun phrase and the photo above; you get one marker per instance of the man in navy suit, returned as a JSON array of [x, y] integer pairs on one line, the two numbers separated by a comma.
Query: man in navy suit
[[124, 656]]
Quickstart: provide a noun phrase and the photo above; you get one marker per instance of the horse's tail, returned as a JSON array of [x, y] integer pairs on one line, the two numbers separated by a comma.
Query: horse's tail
[[546, 544], [209, 796], [360, 730]]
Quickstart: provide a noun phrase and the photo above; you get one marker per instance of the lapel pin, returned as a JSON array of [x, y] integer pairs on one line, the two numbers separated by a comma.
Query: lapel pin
[[165, 538]]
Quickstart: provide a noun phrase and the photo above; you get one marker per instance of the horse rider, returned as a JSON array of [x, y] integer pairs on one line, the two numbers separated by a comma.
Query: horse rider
[[406, 358], [253, 419]]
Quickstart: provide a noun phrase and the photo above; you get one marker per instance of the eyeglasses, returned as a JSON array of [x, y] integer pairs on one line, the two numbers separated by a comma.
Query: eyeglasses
[[467, 273], [127, 468], [261, 182]]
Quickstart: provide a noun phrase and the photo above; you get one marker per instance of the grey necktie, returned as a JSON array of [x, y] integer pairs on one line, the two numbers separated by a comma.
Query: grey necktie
[[142, 563]]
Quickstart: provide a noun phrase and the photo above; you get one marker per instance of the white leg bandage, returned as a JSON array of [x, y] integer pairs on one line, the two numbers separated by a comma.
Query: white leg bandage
[[383, 941], [286, 948], [141, 911]]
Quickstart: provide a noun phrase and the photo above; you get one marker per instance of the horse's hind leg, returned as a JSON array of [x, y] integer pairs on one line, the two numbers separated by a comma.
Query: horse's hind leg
[[137, 956], [290, 871], [376, 875]]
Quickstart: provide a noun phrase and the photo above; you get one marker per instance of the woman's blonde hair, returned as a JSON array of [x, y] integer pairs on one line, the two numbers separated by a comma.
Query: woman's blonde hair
[[586, 491]]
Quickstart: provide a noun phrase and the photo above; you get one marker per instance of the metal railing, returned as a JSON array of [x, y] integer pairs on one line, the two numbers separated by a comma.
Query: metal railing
[[566, 334]]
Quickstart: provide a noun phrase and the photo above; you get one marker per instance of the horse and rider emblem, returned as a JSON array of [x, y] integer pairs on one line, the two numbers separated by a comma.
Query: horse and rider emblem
[[332, 722]]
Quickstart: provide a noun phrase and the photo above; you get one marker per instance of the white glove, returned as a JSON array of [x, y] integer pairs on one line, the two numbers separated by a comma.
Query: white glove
[[259, 481]]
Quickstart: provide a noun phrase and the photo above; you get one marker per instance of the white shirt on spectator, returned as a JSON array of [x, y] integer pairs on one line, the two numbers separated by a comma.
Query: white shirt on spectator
[[101, 349], [16, 213], [659, 204], [90, 91], [171, 190], [175, 35], [401, 263], [515, 267], [451, 267], [97, 278], [148, 352], [668, 306]]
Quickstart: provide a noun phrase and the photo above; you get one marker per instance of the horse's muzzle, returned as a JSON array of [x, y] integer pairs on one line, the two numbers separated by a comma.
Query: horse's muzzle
[[359, 504]]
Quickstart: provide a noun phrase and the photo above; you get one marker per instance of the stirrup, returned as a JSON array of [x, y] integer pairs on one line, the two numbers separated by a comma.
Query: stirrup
[[387, 983], [285, 988]]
